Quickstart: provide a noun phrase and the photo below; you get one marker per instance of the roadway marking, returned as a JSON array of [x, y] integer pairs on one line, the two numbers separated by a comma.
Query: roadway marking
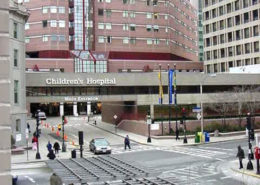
[[225, 149], [226, 177], [212, 180], [30, 179]]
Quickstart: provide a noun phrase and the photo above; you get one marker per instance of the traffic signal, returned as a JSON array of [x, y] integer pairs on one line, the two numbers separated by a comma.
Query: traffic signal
[[248, 123], [59, 127], [252, 134]]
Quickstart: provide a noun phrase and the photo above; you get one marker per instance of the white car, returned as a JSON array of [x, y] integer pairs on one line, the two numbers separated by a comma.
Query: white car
[[42, 115], [100, 146]]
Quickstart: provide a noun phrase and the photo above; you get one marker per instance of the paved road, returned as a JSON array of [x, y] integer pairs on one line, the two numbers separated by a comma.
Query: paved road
[[203, 164]]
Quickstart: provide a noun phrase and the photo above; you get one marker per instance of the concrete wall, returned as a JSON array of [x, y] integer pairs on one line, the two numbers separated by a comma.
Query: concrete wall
[[5, 105]]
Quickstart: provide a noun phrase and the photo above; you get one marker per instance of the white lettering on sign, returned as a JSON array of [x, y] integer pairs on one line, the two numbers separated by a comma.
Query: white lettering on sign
[[106, 81], [63, 81], [81, 98]]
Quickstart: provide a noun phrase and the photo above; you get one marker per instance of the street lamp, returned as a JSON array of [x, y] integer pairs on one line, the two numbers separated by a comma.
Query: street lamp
[[201, 101], [38, 156], [149, 122], [63, 134]]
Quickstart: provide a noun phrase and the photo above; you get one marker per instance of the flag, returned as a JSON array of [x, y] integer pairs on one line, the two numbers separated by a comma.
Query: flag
[[170, 75]]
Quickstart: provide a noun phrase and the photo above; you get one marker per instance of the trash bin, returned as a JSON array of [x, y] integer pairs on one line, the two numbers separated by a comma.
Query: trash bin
[[206, 134], [73, 154], [197, 137]]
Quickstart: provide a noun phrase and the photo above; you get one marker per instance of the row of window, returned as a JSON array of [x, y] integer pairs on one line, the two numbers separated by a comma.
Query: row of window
[[155, 3], [53, 9], [149, 15], [46, 38], [238, 4], [233, 51], [225, 9], [232, 36], [149, 41], [52, 23], [224, 66], [232, 21]]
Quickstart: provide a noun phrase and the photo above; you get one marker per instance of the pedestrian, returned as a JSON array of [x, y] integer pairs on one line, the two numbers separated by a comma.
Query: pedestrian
[[127, 142], [49, 146], [95, 122], [240, 155], [34, 142], [28, 127], [51, 155], [55, 180], [56, 147], [177, 134]]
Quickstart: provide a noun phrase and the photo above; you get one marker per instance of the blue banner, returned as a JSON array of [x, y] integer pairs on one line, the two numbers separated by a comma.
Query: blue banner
[[170, 76]]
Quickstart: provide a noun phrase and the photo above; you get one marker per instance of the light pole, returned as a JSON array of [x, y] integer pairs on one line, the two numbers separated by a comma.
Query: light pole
[[38, 156], [201, 102], [149, 122], [161, 97], [63, 134]]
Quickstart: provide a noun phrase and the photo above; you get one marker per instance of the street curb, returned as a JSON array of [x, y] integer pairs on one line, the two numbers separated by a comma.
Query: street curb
[[246, 173], [148, 144]]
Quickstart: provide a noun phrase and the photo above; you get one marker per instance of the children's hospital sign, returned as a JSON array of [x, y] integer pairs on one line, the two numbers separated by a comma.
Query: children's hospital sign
[[78, 81]]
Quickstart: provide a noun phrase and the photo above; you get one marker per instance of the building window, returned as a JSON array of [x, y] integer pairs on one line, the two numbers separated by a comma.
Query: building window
[[237, 19], [238, 35], [215, 40], [222, 38], [15, 57], [229, 8], [237, 4], [125, 40], [15, 32], [45, 9], [62, 38], [108, 13], [207, 28], [256, 31], [125, 13], [230, 51], [16, 90], [148, 28], [18, 125], [229, 21], [148, 2], [156, 28], [62, 24], [132, 27], [44, 38], [238, 50], [246, 17], [230, 37], [257, 60], [108, 1], [221, 24], [53, 9], [108, 26], [132, 14], [239, 63], [215, 54], [208, 68], [53, 23], [44, 23], [109, 39], [207, 42], [221, 10], [125, 27], [223, 67], [246, 33], [214, 26], [101, 26], [125, 1], [247, 62], [149, 41], [27, 40], [166, 17], [254, 2], [148, 15], [132, 1], [208, 55], [156, 15], [256, 46], [132, 40], [100, 12], [61, 9], [214, 14], [27, 26], [230, 64], [245, 2], [215, 68], [155, 2], [156, 41], [54, 37], [101, 39], [255, 15], [207, 15], [222, 53]]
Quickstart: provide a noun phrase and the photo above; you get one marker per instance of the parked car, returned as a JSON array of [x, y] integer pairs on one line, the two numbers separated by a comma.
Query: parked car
[[100, 146], [42, 115]]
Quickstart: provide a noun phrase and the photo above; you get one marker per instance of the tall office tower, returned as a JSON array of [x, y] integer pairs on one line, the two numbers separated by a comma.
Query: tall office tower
[[47, 36], [12, 82], [231, 34]]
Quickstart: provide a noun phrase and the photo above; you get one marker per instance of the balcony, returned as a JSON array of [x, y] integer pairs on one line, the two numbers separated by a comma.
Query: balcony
[[71, 31], [71, 3], [71, 17]]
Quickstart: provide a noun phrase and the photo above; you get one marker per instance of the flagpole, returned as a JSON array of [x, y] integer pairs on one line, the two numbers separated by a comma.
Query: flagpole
[[175, 101], [169, 105], [160, 94]]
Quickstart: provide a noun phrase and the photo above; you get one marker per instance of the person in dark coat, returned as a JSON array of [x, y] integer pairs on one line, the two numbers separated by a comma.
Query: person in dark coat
[[51, 155], [240, 155], [56, 147], [55, 180], [49, 146], [127, 142], [177, 134]]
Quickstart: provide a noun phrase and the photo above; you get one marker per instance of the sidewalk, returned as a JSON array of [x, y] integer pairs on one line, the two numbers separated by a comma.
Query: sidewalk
[[158, 142]]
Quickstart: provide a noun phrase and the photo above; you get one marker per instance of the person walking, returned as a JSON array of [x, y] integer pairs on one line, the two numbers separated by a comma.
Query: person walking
[[177, 134], [241, 156], [55, 180], [49, 146], [51, 155], [34, 142], [56, 147], [127, 142]]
